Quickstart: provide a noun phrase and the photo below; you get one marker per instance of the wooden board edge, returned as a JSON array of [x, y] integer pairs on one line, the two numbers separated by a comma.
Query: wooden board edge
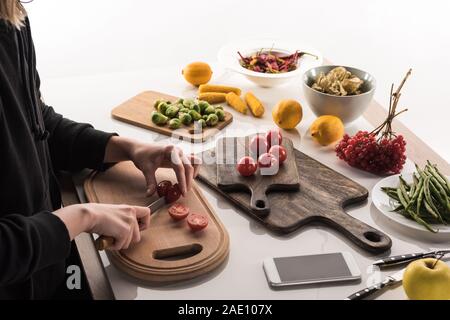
[[97, 279]]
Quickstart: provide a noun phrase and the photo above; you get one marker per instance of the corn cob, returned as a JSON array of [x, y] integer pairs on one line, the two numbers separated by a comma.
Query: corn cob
[[236, 102], [212, 97], [255, 106], [216, 88]]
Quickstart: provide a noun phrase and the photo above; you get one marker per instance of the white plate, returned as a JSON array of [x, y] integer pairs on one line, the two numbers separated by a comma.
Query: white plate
[[384, 204], [229, 58]]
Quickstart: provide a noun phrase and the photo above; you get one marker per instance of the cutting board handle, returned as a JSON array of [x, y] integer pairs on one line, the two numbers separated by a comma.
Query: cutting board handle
[[358, 232], [259, 202]]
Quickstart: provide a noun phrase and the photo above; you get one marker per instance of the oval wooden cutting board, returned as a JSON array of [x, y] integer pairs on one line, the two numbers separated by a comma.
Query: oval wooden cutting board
[[168, 251]]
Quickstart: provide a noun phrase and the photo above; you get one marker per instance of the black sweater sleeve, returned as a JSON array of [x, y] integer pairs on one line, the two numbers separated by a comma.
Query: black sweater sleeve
[[74, 146], [29, 244]]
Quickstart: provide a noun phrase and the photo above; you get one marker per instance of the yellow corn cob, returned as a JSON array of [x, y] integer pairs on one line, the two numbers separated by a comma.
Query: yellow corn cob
[[255, 106], [236, 102], [212, 97], [216, 88]]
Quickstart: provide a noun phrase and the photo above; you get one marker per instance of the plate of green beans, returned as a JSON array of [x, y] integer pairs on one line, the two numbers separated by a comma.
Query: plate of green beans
[[418, 200]]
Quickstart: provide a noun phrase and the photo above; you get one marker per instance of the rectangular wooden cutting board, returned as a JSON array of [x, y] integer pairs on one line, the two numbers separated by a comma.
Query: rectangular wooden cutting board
[[137, 111], [322, 196], [168, 251]]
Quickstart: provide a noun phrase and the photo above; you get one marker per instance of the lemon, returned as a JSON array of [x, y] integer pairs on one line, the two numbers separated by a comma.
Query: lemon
[[197, 73], [287, 114], [327, 129]]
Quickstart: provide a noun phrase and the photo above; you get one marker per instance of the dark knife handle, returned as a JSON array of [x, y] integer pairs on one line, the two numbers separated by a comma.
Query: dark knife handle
[[389, 261], [365, 293]]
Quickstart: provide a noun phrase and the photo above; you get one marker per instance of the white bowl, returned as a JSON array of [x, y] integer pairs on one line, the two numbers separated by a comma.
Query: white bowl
[[347, 108], [229, 58]]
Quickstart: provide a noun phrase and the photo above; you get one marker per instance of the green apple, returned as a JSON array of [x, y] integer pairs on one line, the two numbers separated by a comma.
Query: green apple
[[422, 281]]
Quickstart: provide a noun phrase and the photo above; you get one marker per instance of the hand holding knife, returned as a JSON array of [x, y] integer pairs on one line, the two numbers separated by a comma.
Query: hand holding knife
[[170, 194]]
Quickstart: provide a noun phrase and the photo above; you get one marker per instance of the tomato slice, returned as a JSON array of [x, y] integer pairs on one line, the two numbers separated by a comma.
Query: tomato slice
[[178, 211], [197, 221], [163, 187], [173, 193]]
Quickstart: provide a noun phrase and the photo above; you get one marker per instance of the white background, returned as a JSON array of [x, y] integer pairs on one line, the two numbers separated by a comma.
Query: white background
[[84, 37]]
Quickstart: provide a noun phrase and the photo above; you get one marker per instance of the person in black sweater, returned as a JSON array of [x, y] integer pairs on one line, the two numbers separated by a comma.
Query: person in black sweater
[[35, 141]]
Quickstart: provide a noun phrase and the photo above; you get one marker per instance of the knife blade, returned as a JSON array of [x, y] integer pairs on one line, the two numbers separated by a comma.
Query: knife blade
[[104, 242], [387, 282], [395, 260]]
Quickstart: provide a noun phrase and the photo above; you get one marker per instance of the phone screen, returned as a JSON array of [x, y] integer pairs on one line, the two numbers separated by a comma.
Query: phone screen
[[313, 267]]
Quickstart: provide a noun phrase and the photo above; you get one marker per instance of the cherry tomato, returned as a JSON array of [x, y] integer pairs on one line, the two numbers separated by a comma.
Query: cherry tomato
[[197, 222], [247, 166], [273, 137], [267, 160], [178, 211], [258, 145], [162, 187], [173, 193], [279, 152]]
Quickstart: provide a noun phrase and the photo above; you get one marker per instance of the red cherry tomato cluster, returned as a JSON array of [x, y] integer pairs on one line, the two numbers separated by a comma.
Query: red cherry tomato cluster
[[268, 150]]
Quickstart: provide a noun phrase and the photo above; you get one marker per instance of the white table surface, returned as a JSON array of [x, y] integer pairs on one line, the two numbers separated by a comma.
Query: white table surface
[[91, 98]]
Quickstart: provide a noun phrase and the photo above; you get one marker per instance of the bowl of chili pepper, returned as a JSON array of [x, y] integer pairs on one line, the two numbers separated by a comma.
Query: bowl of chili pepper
[[269, 63]]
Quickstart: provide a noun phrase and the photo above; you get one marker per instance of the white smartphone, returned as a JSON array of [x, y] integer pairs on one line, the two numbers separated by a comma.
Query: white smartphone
[[320, 268]]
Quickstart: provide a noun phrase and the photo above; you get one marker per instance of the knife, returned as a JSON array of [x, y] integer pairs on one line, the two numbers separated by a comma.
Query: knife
[[389, 281], [104, 242], [395, 260]]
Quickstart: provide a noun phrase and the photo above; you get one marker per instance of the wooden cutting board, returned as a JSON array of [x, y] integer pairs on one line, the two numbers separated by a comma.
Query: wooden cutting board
[[168, 250], [322, 197], [279, 178], [137, 111]]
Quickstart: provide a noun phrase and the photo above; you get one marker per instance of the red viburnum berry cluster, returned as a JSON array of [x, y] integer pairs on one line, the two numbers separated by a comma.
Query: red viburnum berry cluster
[[380, 151], [363, 151]]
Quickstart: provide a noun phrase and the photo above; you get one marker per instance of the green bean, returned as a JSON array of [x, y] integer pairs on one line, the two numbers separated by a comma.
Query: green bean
[[429, 199], [393, 195], [444, 198], [401, 198], [403, 186], [416, 194], [404, 183], [419, 171], [419, 200]]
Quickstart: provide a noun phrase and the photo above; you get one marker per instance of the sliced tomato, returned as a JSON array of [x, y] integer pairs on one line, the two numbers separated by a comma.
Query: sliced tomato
[[163, 187], [247, 166], [279, 152], [197, 221], [178, 211], [173, 193]]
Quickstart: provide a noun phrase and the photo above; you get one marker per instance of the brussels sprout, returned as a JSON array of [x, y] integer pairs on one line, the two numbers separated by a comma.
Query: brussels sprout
[[157, 102], [184, 110], [162, 107], [218, 107], [212, 120], [220, 114], [188, 103], [195, 107], [179, 101], [204, 117], [174, 123], [195, 115], [203, 105], [172, 111], [158, 118], [185, 118], [201, 123], [210, 110]]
